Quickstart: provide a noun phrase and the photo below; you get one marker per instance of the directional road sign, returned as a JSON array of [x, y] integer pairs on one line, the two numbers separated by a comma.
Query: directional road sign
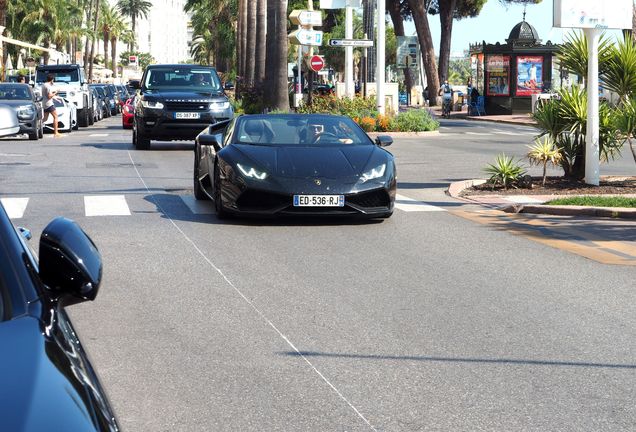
[[306, 37], [351, 43], [306, 18]]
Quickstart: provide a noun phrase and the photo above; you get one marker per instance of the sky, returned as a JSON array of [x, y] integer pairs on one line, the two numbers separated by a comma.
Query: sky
[[494, 23]]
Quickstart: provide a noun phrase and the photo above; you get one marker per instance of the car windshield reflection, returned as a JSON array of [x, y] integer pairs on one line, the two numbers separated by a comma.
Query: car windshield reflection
[[297, 130]]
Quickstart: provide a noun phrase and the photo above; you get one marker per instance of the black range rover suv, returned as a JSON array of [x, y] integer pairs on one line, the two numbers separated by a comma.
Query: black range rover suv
[[177, 102]]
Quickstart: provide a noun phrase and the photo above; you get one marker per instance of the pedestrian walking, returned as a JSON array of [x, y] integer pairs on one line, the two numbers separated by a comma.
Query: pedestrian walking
[[48, 95]]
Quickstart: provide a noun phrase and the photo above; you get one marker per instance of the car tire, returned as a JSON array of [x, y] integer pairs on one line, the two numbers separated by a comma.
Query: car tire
[[91, 117], [82, 117], [199, 193], [41, 130], [34, 136], [218, 204], [140, 141]]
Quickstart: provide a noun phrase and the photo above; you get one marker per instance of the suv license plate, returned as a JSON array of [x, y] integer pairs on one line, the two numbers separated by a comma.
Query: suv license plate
[[318, 200], [186, 115]]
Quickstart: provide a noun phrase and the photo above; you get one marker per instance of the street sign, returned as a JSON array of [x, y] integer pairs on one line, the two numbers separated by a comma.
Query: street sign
[[408, 52], [306, 37], [364, 43], [340, 4], [316, 63], [306, 18], [616, 14], [132, 60]]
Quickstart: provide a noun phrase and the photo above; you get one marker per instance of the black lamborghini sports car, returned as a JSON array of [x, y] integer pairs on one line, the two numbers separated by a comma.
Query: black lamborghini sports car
[[294, 164]]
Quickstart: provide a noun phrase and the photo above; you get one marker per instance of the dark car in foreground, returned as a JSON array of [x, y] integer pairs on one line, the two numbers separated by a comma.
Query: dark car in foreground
[[176, 102], [48, 382], [294, 164], [27, 106]]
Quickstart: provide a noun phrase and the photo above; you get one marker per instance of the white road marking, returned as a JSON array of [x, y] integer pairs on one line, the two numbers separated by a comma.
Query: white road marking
[[106, 205], [15, 207], [98, 135], [253, 305], [196, 206], [410, 205], [479, 133], [520, 199]]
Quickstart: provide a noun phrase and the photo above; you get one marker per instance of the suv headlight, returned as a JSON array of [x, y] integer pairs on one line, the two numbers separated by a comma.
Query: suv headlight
[[151, 104], [219, 106], [71, 93], [25, 111], [375, 173], [251, 172]]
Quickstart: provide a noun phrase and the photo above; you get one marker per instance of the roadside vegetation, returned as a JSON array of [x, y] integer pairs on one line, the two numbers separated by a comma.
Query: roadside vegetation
[[595, 201]]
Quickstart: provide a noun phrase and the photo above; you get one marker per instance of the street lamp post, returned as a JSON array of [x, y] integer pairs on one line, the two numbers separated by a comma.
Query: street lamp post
[[379, 78]]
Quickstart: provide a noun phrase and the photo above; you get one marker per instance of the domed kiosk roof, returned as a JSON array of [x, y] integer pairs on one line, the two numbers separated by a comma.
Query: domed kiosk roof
[[523, 34]]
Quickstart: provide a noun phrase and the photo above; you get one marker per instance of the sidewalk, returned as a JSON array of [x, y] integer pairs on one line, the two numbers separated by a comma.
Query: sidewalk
[[518, 119], [535, 203]]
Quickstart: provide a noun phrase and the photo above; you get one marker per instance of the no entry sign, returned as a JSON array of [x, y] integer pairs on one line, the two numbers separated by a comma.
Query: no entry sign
[[316, 63]]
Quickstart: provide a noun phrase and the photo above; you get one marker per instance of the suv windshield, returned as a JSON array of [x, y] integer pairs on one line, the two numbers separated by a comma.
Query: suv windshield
[[187, 78], [61, 75]]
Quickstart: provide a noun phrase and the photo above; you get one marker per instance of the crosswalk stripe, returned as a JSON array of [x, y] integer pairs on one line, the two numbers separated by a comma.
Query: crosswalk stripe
[[106, 205], [15, 207], [410, 205], [196, 206]]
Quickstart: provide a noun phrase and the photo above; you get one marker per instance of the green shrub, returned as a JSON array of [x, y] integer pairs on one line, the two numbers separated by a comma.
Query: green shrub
[[416, 120], [505, 171], [356, 107]]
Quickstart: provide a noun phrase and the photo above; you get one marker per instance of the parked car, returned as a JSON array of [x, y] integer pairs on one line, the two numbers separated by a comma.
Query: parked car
[[294, 164], [71, 84], [27, 106], [66, 116], [128, 114], [123, 95], [48, 381], [9, 124], [105, 99], [176, 102], [112, 92]]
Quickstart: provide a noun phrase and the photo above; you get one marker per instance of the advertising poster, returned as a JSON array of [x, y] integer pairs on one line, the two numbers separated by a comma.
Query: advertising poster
[[477, 71], [498, 75], [529, 75]]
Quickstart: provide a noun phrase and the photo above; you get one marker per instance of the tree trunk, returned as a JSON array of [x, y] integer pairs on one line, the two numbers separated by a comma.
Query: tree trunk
[[106, 39], [446, 13], [634, 23], [277, 96], [87, 50], [3, 51], [241, 45], [250, 67], [426, 46], [134, 32], [113, 57], [92, 55], [261, 40], [393, 7]]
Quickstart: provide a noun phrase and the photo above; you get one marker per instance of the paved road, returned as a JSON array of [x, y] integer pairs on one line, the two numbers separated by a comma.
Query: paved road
[[426, 321]]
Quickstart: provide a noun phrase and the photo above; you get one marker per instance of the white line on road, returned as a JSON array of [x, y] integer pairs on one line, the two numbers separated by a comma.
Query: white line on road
[[410, 205], [197, 207], [106, 205], [252, 305], [98, 135], [15, 207], [479, 133]]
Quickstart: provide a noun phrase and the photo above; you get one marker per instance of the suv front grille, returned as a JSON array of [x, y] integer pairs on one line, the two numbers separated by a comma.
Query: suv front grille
[[187, 106]]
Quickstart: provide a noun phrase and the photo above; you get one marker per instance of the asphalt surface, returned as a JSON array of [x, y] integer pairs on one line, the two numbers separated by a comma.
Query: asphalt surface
[[426, 321]]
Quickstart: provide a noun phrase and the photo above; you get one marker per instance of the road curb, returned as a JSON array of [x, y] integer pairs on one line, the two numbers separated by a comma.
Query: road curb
[[491, 120], [606, 212], [456, 188]]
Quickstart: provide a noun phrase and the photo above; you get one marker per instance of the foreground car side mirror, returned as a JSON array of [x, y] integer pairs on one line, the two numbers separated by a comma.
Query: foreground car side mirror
[[383, 140], [70, 264], [209, 140]]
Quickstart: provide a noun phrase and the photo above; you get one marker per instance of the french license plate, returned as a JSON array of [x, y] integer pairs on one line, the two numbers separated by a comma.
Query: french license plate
[[186, 115], [318, 200]]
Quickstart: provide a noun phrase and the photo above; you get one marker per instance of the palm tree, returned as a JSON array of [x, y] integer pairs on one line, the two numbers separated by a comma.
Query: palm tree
[[134, 9], [261, 40], [426, 46], [276, 66], [118, 30]]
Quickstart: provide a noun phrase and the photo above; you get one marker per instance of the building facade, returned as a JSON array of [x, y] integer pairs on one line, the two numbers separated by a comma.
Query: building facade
[[164, 34]]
